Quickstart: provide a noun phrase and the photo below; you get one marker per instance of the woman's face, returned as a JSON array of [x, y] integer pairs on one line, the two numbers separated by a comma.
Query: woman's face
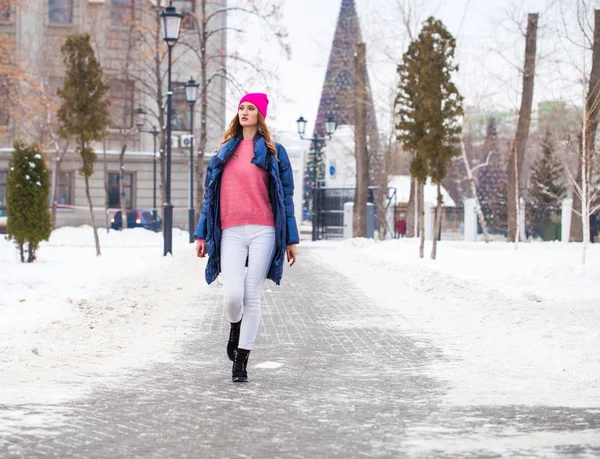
[[248, 114]]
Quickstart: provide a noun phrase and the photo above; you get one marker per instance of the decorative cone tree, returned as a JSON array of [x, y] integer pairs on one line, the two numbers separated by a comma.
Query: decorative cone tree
[[29, 220], [546, 190], [338, 95], [84, 114]]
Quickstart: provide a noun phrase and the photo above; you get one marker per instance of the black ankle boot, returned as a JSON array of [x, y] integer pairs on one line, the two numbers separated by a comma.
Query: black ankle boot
[[240, 360], [234, 338]]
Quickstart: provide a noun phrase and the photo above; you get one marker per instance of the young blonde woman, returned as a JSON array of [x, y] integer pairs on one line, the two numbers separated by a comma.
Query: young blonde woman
[[247, 221]]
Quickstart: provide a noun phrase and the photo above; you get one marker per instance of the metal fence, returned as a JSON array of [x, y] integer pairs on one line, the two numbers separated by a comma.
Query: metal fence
[[328, 211], [452, 223]]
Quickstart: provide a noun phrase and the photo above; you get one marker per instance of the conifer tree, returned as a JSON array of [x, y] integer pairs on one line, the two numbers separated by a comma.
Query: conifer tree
[[546, 188], [428, 107], [29, 220], [491, 182], [84, 111]]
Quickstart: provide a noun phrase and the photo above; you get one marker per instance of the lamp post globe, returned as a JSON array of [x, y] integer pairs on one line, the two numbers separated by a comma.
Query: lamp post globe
[[171, 22], [191, 91], [301, 125], [140, 118], [330, 126]]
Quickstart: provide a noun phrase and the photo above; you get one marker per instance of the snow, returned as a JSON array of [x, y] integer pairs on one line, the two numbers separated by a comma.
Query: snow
[[402, 185], [71, 316], [518, 326], [269, 365]]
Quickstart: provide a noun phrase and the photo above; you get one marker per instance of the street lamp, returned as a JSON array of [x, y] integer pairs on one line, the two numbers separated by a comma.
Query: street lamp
[[171, 22], [140, 121], [191, 94], [330, 127]]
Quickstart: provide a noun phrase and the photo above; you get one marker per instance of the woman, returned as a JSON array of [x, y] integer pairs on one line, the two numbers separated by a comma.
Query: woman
[[247, 221]]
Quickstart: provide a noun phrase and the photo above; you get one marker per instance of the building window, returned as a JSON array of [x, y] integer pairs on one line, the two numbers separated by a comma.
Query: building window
[[4, 101], [121, 12], [3, 178], [114, 193], [60, 11], [5, 11], [63, 193], [121, 108], [188, 7], [180, 119]]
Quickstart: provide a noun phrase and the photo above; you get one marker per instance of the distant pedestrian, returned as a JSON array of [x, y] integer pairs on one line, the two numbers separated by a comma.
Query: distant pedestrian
[[401, 227], [247, 221]]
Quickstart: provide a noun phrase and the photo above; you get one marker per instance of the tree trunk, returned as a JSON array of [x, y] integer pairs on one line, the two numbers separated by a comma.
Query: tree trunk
[[31, 252], [590, 126], [359, 218], [122, 186], [520, 143], [92, 218], [106, 215], [410, 211], [480, 215], [517, 201], [576, 232], [163, 176], [160, 109], [201, 146], [438, 222], [417, 206], [55, 176], [422, 219]]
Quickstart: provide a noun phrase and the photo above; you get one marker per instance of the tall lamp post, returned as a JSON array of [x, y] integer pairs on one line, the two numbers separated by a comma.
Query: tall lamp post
[[191, 94], [330, 127], [171, 22], [140, 121]]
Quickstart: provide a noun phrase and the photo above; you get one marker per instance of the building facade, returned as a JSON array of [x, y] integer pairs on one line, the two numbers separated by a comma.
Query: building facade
[[128, 43]]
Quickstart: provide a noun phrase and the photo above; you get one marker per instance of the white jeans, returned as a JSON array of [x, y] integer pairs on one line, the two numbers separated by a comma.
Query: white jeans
[[242, 294]]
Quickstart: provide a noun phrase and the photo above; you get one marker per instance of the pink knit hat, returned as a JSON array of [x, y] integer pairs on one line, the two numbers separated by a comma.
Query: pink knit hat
[[259, 99]]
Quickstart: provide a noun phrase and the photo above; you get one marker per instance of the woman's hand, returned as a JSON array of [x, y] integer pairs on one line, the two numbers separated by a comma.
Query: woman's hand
[[292, 252], [200, 248]]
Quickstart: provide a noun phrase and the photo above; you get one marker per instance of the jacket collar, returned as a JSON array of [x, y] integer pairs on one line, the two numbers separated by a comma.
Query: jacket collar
[[261, 152]]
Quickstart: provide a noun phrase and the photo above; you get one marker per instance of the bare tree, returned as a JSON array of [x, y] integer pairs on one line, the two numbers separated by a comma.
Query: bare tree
[[515, 160], [123, 116], [149, 75], [473, 185], [215, 59], [359, 218], [585, 195]]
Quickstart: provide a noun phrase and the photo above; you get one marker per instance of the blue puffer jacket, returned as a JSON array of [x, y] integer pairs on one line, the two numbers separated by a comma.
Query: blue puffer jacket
[[281, 191]]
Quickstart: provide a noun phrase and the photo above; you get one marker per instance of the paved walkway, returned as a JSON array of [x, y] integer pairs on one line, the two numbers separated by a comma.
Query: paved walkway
[[323, 384]]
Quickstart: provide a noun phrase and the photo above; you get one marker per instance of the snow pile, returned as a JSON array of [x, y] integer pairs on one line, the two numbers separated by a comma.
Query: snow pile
[[518, 326], [71, 314]]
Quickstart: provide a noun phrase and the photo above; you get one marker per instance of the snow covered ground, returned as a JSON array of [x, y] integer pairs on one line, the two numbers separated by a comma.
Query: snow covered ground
[[71, 319], [520, 326]]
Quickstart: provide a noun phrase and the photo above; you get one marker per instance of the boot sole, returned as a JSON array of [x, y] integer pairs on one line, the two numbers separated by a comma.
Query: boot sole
[[240, 379]]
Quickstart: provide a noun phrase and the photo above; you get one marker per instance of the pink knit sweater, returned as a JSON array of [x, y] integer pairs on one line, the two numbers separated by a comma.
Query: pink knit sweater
[[244, 198]]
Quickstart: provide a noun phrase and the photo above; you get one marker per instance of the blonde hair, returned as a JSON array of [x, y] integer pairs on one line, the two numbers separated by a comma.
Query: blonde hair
[[235, 129]]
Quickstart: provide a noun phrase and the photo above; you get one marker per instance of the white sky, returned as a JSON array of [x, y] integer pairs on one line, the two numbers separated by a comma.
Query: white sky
[[490, 51]]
